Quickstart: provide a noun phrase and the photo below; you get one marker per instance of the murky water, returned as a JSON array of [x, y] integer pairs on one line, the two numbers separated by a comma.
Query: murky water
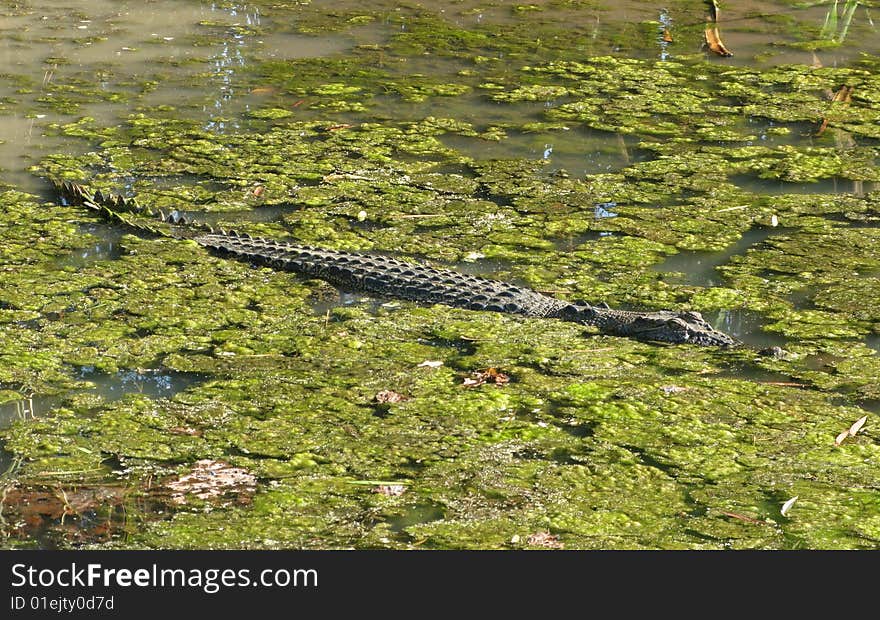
[[698, 268]]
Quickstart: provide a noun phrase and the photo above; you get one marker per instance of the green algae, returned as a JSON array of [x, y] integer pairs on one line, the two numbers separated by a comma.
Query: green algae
[[604, 442]]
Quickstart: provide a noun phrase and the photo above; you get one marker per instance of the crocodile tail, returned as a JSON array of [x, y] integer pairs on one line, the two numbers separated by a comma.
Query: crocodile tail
[[127, 211]]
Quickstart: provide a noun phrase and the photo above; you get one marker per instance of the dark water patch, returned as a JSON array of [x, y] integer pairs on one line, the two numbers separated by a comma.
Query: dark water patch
[[802, 298], [28, 408], [578, 151], [650, 461], [873, 341], [325, 305], [462, 347], [697, 268], [478, 265], [756, 374], [745, 326], [573, 242], [858, 221], [227, 220], [416, 514], [155, 383], [107, 247], [772, 133], [776, 187], [871, 405]]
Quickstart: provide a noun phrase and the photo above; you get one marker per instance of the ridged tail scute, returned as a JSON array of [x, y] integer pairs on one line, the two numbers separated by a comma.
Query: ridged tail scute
[[385, 276], [127, 211]]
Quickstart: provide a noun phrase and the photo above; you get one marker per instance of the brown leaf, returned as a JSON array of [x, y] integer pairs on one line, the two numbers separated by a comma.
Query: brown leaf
[[490, 375], [667, 36], [390, 490], [389, 396], [843, 96], [713, 41], [258, 191], [544, 539], [840, 438]]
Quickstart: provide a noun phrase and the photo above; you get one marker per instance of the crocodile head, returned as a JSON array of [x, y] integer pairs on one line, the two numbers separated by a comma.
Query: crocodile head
[[673, 327], [659, 326]]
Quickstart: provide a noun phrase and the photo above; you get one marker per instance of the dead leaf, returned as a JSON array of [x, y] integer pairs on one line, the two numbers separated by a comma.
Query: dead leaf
[[389, 396], [843, 96], [430, 364], [490, 375], [390, 490], [544, 539], [851, 431], [258, 191], [713, 41], [667, 36], [857, 426], [787, 505]]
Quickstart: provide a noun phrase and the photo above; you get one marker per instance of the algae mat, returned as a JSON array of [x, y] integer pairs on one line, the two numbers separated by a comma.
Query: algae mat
[[188, 401]]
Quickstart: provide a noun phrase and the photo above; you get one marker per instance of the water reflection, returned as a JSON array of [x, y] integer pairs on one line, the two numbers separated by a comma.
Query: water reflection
[[697, 268], [156, 383], [224, 64], [746, 326]]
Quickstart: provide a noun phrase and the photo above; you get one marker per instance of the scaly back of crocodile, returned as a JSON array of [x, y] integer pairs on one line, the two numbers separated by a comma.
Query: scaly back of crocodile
[[386, 276]]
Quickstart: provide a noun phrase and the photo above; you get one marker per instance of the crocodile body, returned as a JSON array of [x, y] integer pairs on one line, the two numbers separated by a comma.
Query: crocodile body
[[385, 276]]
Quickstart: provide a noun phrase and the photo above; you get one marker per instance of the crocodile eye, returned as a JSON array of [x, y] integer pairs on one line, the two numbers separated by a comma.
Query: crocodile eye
[[679, 324]]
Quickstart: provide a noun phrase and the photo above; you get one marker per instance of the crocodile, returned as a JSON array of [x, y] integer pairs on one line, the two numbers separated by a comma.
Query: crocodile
[[389, 277]]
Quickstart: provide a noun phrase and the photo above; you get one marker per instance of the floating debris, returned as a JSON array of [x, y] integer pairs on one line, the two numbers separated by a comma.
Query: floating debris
[[490, 375], [389, 396], [787, 506], [851, 431]]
